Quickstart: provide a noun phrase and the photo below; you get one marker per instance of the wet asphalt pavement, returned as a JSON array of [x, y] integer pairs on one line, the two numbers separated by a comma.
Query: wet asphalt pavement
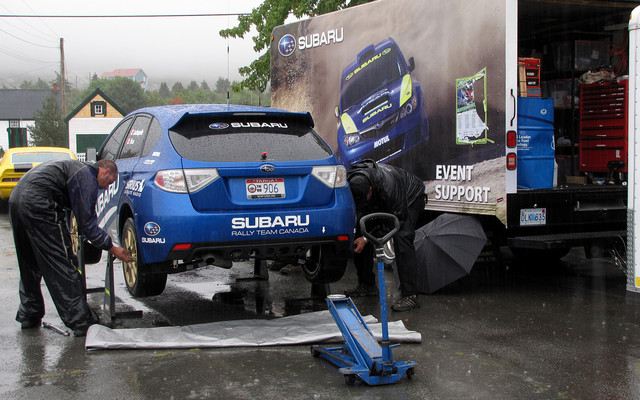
[[566, 330]]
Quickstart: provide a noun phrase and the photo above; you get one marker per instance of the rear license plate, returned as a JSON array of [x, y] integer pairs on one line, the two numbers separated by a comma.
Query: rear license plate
[[533, 216], [271, 188]]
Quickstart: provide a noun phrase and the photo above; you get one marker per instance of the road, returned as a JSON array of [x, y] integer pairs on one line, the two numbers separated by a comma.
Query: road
[[567, 330]]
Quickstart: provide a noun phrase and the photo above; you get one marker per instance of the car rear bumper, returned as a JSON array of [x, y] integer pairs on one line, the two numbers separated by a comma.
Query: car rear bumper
[[262, 249], [176, 231], [5, 190]]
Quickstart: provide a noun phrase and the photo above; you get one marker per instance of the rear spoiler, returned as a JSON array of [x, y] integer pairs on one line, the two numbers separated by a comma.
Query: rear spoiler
[[300, 117], [22, 167]]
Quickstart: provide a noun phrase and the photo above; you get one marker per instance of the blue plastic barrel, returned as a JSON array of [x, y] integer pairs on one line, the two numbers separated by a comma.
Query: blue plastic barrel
[[536, 146]]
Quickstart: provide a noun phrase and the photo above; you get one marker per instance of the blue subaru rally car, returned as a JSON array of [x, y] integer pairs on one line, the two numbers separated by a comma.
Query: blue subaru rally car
[[212, 184], [382, 111]]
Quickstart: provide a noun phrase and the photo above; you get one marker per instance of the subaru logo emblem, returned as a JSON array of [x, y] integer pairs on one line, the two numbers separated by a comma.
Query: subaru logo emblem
[[219, 125], [151, 228], [287, 45], [267, 168]]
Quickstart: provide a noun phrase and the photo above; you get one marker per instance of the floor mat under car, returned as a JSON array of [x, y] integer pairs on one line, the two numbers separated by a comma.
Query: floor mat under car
[[314, 327]]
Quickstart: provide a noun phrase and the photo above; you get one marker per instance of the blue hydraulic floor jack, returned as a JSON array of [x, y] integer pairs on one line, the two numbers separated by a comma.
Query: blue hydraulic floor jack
[[361, 356]]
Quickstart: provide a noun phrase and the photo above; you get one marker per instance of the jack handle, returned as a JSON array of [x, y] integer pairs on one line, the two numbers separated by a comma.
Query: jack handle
[[379, 242]]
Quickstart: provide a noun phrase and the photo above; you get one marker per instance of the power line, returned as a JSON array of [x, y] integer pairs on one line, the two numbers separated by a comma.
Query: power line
[[18, 27], [125, 16], [26, 74], [21, 57], [26, 41], [43, 22], [31, 26]]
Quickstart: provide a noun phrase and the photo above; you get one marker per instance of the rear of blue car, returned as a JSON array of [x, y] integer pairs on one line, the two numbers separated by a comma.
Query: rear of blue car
[[224, 184]]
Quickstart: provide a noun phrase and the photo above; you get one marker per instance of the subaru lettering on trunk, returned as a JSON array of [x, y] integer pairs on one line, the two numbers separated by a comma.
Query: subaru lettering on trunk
[[268, 222]]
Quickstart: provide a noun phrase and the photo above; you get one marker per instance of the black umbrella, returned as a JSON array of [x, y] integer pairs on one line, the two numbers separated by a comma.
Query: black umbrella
[[446, 249]]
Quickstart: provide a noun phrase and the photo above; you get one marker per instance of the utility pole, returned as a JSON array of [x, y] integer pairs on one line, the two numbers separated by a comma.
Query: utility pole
[[63, 84]]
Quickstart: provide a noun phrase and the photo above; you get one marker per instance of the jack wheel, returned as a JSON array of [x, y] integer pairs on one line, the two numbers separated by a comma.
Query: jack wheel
[[410, 373], [350, 380]]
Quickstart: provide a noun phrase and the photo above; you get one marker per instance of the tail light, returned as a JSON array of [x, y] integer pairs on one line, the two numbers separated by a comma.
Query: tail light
[[185, 181], [511, 161], [334, 176]]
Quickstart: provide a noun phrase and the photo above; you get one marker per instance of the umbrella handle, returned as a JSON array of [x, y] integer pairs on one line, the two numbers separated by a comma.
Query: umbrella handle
[[379, 241]]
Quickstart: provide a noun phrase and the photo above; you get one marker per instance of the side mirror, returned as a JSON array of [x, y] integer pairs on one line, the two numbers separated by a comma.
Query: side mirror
[[91, 154], [412, 64]]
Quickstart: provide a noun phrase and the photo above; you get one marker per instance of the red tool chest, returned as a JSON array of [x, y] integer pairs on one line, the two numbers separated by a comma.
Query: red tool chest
[[529, 77], [603, 125]]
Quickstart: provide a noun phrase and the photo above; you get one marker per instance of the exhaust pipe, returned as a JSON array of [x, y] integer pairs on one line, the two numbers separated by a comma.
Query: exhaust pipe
[[213, 259]]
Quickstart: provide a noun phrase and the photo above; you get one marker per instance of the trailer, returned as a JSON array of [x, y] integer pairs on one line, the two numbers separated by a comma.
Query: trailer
[[513, 111]]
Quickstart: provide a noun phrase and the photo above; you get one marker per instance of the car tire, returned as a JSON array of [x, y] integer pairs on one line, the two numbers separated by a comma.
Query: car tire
[[139, 282], [91, 254], [323, 266]]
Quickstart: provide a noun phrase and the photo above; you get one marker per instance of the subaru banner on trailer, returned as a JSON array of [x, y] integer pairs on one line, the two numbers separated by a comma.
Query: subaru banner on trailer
[[419, 84]]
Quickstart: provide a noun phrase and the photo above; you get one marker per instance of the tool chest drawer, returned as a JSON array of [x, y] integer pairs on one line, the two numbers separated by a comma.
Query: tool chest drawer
[[603, 125], [596, 159]]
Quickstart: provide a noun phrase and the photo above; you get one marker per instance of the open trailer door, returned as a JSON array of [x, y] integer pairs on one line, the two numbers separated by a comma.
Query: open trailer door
[[633, 202]]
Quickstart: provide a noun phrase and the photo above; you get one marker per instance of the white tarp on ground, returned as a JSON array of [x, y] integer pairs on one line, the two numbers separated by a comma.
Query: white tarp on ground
[[316, 327]]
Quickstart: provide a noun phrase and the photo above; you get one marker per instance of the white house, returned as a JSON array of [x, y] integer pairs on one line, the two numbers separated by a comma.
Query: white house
[[91, 122], [135, 74]]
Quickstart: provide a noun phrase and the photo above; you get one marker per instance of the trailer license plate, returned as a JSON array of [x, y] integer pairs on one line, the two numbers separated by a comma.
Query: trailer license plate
[[533, 216], [271, 188]]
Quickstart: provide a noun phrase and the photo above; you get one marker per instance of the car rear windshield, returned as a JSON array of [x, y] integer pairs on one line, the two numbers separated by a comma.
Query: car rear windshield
[[246, 138], [19, 158]]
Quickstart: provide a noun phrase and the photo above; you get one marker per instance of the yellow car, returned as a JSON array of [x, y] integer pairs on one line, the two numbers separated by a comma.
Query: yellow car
[[18, 160]]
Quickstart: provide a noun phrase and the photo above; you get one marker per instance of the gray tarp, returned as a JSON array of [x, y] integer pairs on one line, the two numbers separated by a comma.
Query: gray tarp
[[316, 327]]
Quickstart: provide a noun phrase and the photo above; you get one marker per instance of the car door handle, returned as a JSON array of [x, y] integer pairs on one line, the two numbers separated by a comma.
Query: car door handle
[[125, 177]]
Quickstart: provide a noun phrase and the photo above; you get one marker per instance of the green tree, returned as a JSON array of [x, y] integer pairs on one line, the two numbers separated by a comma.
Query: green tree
[[198, 96], [49, 128], [155, 99], [27, 85], [127, 94], [222, 85], [204, 86], [164, 91], [193, 85], [265, 18], [177, 88], [57, 83], [74, 97], [40, 84]]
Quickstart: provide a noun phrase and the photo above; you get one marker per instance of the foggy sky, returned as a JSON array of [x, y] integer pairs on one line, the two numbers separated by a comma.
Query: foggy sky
[[167, 49]]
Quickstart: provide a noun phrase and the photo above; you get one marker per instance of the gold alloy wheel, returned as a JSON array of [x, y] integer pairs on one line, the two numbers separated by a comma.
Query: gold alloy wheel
[[75, 234], [130, 268]]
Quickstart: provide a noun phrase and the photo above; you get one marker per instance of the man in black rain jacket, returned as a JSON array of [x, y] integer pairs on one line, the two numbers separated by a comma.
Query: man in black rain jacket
[[385, 188], [37, 212]]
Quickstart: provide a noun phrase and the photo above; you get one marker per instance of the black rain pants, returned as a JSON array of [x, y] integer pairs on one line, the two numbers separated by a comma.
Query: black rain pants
[[43, 248], [406, 261]]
